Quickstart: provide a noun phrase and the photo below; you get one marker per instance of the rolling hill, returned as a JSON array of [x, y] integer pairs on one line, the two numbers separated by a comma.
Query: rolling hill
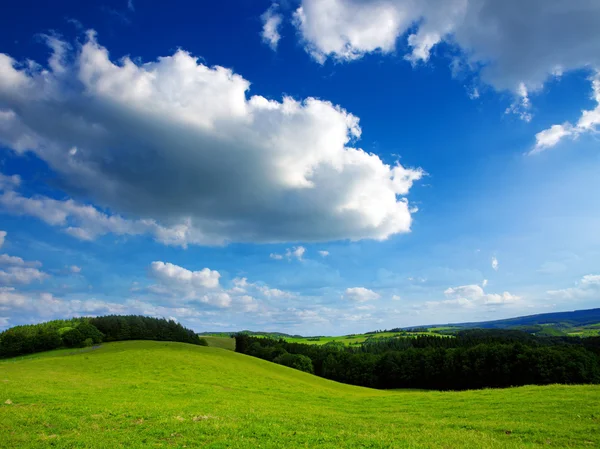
[[163, 394], [573, 318]]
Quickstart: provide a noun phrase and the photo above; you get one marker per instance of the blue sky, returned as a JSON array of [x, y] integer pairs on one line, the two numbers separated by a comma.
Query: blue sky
[[310, 167]]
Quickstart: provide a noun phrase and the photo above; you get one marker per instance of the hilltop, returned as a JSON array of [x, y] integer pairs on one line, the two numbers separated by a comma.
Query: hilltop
[[163, 394]]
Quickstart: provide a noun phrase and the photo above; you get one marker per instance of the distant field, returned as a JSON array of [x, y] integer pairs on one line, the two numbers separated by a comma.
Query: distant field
[[345, 339], [160, 394], [220, 342]]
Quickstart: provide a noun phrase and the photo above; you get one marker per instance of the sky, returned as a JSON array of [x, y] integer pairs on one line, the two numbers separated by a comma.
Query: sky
[[317, 167]]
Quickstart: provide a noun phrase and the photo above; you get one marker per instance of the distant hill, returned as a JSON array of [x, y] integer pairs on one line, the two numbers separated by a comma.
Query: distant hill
[[571, 319]]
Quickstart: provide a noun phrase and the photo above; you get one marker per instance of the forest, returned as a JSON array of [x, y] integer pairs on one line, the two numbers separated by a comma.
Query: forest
[[82, 332], [473, 359]]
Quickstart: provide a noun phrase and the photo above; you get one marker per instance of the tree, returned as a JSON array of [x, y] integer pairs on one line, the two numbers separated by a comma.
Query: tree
[[296, 361]]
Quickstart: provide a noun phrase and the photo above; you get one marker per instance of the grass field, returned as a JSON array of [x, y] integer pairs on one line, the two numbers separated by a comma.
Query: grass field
[[159, 394], [345, 339], [220, 342]]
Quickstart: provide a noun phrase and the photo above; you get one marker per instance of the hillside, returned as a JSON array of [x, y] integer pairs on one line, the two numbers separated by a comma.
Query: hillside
[[571, 319], [162, 394]]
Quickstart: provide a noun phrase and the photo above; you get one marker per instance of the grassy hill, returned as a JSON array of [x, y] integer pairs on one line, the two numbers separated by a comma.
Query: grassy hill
[[160, 394]]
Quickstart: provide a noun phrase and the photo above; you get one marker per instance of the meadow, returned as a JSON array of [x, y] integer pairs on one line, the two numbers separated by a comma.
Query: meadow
[[353, 339], [163, 394]]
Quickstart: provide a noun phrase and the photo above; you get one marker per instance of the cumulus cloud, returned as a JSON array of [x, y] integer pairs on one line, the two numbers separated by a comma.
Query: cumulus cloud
[[324, 253], [513, 42], [495, 264], [588, 123], [178, 149], [271, 22], [361, 294], [587, 287], [204, 287], [469, 296], [176, 275], [2, 237], [21, 275], [86, 222], [75, 269], [6, 259]]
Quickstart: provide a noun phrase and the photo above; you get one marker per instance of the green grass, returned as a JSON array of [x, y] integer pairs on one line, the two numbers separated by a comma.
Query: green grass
[[160, 394], [220, 342], [355, 339]]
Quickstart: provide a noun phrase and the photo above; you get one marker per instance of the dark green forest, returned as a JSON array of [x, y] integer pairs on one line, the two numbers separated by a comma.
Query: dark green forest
[[82, 332], [473, 359]]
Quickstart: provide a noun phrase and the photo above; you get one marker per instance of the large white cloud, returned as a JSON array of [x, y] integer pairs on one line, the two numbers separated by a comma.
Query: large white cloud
[[181, 144], [513, 41]]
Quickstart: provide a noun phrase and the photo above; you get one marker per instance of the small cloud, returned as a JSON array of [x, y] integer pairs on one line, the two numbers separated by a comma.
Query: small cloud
[[396, 298], [494, 263], [2, 237], [522, 105], [484, 283], [361, 294], [271, 22], [130, 5], [324, 253], [75, 269], [296, 252]]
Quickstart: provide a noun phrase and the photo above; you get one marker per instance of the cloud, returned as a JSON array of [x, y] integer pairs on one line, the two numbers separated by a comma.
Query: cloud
[[178, 149], [296, 252], [511, 42], [86, 222], [361, 294], [130, 5], [484, 283], [2, 237], [4, 321], [75, 269], [587, 287], [396, 298], [495, 264], [522, 105], [169, 273], [469, 296], [323, 253], [21, 275], [6, 259], [588, 123], [8, 182], [271, 23]]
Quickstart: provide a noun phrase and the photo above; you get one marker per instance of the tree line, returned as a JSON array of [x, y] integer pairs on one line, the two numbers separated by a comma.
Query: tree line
[[478, 358], [89, 331]]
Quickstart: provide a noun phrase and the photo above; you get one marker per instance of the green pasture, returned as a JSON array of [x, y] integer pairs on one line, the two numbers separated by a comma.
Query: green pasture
[[143, 394]]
